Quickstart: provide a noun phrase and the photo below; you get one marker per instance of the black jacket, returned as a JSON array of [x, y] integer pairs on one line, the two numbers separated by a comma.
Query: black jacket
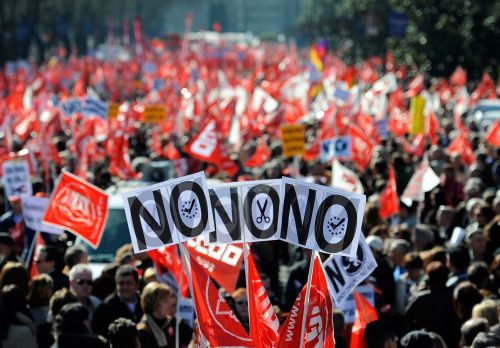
[[111, 309]]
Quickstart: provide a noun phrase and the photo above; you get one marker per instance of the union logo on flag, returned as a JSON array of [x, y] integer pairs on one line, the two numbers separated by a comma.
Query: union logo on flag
[[79, 207]]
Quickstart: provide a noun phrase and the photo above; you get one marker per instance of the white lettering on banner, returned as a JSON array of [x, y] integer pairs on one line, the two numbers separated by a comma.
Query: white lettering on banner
[[16, 178], [316, 324], [175, 211], [291, 323], [320, 218], [345, 273], [229, 254], [266, 309], [206, 142], [33, 212]]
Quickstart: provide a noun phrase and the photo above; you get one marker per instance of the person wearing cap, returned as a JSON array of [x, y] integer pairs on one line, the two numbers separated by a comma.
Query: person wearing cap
[[12, 222], [7, 252]]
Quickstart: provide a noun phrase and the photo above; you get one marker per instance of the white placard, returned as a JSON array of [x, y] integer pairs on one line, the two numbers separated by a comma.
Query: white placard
[[349, 305], [168, 213], [345, 273], [186, 310], [320, 218], [342, 147], [33, 211], [16, 178]]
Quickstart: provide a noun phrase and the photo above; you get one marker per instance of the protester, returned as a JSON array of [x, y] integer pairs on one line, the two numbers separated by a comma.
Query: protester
[[122, 333], [380, 334], [16, 325], [241, 306], [487, 309], [80, 285], [7, 252], [75, 255], [14, 273], [123, 303], [49, 260], [157, 327], [471, 328], [40, 292]]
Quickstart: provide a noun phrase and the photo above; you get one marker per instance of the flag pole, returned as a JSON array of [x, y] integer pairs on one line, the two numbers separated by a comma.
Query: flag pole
[[186, 266], [177, 314], [306, 305], [29, 257]]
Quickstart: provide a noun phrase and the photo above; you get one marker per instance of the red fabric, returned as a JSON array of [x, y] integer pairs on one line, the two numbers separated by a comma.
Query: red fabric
[[204, 146], [398, 122], [459, 77], [39, 243], [79, 207], [261, 155], [415, 86], [485, 89], [434, 128], [217, 321], [365, 313], [171, 152], [389, 200], [165, 260], [223, 261], [362, 147], [493, 136], [462, 146], [264, 323]]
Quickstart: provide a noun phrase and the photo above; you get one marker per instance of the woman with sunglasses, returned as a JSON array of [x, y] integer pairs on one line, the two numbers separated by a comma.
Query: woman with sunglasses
[[80, 285], [241, 306]]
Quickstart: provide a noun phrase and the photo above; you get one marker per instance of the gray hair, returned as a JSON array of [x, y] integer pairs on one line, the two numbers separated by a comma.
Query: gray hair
[[77, 269]]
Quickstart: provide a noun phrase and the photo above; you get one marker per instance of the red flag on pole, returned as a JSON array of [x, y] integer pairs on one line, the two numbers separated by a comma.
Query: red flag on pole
[[493, 136], [217, 322], [459, 77], [462, 146], [264, 323], [389, 201], [261, 155], [79, 207], [319, 320], [365, 313]]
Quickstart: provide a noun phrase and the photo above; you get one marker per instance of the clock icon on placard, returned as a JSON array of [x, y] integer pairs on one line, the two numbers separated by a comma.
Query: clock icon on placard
[[189, 209], [336, 226]]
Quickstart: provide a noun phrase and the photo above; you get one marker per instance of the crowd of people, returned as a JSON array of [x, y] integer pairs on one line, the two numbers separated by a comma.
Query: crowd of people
[[438, 274]]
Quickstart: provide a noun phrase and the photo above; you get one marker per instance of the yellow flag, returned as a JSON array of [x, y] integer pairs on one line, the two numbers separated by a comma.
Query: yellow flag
[[417, 105]]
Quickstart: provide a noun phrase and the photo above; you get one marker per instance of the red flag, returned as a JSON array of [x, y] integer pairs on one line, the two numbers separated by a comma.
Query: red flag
[[415, 86], [398, 122], [222, 261], [79, 207], [389, 201], [365, 313], [39, 242], [362, 147], [493, 136], [485, 89], [261, 155], [434, 128], [264, 323], [312, 151], [459, 77], [169, 267], [319, 321], [204, 146], [462, 146], [217, 322]]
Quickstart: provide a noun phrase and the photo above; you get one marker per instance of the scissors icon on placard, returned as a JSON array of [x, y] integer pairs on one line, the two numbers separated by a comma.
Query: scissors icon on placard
[[263, 216]]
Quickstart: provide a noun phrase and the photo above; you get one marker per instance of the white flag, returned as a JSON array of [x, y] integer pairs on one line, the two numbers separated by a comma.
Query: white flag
[[345, 179], [423, 180]]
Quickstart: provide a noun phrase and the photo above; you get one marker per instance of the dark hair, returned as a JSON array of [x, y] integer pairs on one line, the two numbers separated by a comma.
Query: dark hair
[[459, 257], [472, 327], [59, 299], [71, 320], [478, 274], [15, 273], [73, 255], [12, 300], [437, 274], [125, 271], [122, 333], [53, 254], [377, 333], [486, 340], [465, 296], [413, 261], [40, 290]]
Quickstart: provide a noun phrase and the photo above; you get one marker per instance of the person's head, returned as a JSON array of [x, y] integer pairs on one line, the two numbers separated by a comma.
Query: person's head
[[241, 302], [80, 281], [487, 309], [458, 259], [476, 241], [422, 238], [15, 204], [124, 255], [444, 215], [484, 214], [416, 339], [122, 333], [380, 334], [338, 321], [414, 265], [40, 291], [158, 300], [465, 297], [74, 255], [71, 319], [59, 299], [127, 282], [12, 301], [437, 274], [471, 328], [47, 259], [486, 340], [149, 276], [397, 251], [15, 273], [376, 244], [6, 244], [478, 274]]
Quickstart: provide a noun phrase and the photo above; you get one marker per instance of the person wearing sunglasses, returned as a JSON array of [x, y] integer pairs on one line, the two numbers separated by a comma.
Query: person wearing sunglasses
[[241, 306], [80, 285]]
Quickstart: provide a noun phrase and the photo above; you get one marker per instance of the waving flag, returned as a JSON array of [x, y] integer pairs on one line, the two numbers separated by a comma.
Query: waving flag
[[345, 179], [422, 181], [264, 323], [217, 322], [95, 107], [365, 313], [493, 136], [261, 155], [461, 146], [79, 207], [362, 147], [204, 146], [389, 201]]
